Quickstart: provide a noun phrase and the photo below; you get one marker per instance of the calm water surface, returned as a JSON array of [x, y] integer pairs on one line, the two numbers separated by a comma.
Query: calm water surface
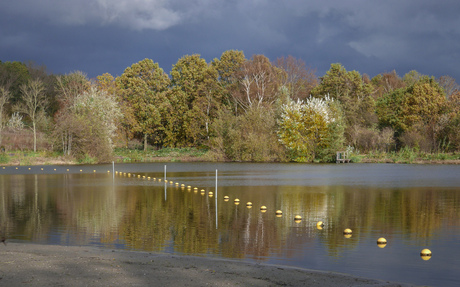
[[412, 206]]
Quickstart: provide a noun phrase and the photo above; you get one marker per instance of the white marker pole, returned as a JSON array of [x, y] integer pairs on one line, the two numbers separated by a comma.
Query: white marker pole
[[165, 182], [113, 169], [216, 199]]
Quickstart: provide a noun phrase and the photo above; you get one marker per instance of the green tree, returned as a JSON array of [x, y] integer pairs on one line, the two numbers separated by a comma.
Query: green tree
[[12, 76], [143, 88]]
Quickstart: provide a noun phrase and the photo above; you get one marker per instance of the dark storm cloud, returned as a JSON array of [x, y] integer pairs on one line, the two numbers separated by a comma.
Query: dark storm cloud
[[98, 36]]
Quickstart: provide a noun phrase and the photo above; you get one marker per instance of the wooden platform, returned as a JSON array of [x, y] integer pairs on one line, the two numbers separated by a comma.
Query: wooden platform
[[342, 157]]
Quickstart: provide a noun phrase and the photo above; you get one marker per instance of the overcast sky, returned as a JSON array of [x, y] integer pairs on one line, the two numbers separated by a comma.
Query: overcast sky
[[98, 36]]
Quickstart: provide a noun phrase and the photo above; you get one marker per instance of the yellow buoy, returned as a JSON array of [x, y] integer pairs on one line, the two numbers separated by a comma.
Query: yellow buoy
[[202, 191], [166, 180], [139, 176], [297, 220], [210, 194], [177, 183], [189, 187], [93, 170], [42, 168], [425, 254], [108, 171], [347, 231], [143, 176], [249, 204], [319, 225], [159, 179], [226, 197], [148, 177], [29, 168], [237, 201], [381, 240], [80, 170], [263, 208], [182, 185], [347, 235], [297, 217], [279, 212]]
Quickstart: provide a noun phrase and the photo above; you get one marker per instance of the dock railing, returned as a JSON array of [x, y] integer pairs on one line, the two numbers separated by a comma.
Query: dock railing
[[342, 157]]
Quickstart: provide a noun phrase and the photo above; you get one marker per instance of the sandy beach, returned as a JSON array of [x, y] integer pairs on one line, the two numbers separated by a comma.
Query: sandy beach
[[52, 265]]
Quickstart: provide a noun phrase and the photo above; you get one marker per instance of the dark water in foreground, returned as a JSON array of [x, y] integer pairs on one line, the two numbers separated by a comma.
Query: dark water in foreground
[[412, 206]]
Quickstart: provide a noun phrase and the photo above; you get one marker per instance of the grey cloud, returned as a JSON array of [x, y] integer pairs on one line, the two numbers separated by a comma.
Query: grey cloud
[[108, 35]]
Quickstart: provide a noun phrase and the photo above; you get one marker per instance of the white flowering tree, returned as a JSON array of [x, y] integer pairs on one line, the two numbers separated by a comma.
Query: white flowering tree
[[311, 128]]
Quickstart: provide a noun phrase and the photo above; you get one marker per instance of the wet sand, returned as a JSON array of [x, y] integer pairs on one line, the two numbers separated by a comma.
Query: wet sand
[[52, 265]]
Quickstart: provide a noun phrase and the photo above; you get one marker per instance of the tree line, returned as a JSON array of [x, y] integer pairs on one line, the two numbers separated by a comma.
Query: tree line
[[238, 109]]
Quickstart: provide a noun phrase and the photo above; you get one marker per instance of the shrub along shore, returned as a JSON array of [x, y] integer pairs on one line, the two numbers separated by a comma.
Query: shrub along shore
[[24, 158]]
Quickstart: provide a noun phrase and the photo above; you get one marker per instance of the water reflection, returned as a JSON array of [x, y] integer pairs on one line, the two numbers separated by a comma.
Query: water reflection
[[87, 208]]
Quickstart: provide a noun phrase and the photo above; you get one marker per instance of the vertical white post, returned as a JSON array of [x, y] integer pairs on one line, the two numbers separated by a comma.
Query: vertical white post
[[165, 182], [113, 169], [216, 200]]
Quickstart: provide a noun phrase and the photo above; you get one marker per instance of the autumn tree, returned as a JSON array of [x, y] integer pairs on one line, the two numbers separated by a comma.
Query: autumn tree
[[259, 83], [386, 83], [298, 78], [106, 82], [195, 97], [415, 109], [228, 67], [449, 85], [451, 131], [68, 87], [4, 98], [33, 104], [354, 95], [249, 136], [143, 88]]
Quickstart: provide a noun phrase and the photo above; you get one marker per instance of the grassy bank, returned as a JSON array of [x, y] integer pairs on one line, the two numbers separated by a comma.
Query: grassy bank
[[123, 155], [161, 155], [26, 158], [407, 155]]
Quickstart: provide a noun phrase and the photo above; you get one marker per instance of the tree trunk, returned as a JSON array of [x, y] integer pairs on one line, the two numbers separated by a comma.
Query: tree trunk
[[35, 136], [145, 142]]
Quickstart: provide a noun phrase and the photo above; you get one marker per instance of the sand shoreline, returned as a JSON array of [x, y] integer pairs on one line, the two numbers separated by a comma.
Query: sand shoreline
[[53, 265]]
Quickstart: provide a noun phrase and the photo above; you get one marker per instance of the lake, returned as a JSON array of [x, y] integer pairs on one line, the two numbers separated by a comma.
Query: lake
[[413, 206]]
